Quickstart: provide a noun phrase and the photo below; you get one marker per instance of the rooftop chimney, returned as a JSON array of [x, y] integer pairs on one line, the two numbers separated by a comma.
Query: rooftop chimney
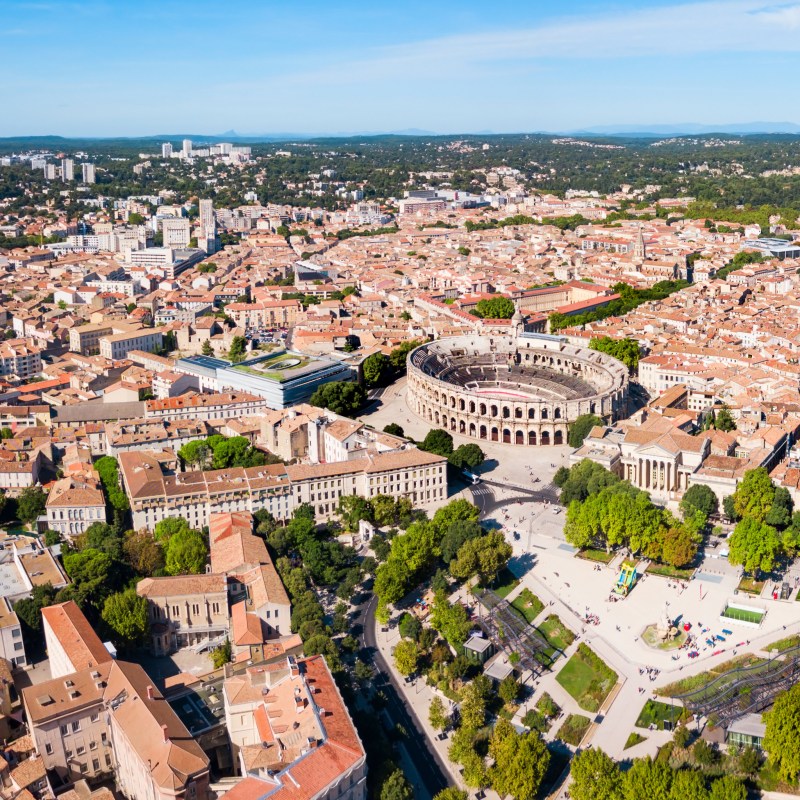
[[164, 733], [150, 692]]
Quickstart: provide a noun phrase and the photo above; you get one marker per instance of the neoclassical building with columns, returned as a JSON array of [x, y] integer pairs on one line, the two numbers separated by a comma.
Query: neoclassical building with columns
[[520, 389]]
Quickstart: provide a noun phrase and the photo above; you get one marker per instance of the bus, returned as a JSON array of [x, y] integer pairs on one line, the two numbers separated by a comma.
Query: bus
[[472, 477]]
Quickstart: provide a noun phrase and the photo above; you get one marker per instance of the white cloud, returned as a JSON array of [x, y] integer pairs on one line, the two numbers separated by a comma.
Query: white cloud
[[668, 31]]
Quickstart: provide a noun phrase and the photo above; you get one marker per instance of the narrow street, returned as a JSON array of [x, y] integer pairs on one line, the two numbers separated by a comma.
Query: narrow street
[[421, 754]]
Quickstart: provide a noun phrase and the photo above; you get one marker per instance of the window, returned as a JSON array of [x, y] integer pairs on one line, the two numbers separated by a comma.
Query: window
[[64, 730], [82, 766], [18, 645], [80, 749], [48, 748], [108, 760], [195, 608], [96, 716], [215, 608], [104, 738], [95, 764], [76, 726], [68, 753], [176, 611], [93, 745], [16, 633]]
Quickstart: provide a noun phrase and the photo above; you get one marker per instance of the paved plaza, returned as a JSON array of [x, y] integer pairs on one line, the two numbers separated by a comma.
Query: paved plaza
[[575, 589]]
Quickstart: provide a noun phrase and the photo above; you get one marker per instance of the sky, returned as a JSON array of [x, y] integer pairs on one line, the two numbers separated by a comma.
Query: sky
[[150, 67]]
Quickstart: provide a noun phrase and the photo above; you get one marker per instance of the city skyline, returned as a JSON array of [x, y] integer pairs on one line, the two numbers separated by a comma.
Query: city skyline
[[158, 68]]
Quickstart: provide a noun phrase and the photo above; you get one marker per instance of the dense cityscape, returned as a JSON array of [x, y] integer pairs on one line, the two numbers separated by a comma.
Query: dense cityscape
[[400, 466]]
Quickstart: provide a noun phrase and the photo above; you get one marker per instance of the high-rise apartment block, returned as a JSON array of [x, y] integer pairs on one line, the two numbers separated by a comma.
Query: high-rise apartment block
[[67, 169], [49, 172], [187, 148], [88, 173], [166, 150], [177, 231]]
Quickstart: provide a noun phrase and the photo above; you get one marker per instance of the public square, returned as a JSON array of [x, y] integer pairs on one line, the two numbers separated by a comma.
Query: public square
[[510, 498]]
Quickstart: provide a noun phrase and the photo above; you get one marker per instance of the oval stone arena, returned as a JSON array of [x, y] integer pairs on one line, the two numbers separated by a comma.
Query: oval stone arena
[[523, 389]]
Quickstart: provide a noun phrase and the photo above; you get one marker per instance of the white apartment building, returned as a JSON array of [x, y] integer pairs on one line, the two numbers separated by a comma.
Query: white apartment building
[[177, 231], [20, 358], [118, 345], [88, 173], [11, 644], [73, 505]]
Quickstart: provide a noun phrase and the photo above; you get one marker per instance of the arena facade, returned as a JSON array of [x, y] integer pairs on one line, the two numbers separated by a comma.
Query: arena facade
[[520, 389]]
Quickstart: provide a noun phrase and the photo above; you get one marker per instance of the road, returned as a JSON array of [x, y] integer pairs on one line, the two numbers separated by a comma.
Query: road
[[426, 760], [483, 495]]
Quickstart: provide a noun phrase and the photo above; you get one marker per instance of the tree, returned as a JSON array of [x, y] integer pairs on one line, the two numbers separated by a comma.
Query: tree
[[780, 513], [754, 495], [780, 741], [396, 787], [458, 533], [383, 510], [625, 350], [143, 553], [167, 528], [700, 498], [681, 736], [687, 783], [749, 761], [352, 509], [437, 714], [703, 753], [495, 308], [520, 762], [343, 397], [484, 556], [754, 545], [596, 776], [647, 779], [729, 508], [450, 620], [207, 349], [585, 478], [437, 441], [126, 614], [472, 708], [467, 456], [186, 553], [222, 655], [728, 787], [29, 609], [94, 574], [724, 420], [508, 689], [410, 627], [678, 547], [238, 349], [196, 453], [376, 369], [31, 504], [393, 429], [451, 793], [406, 657], [579, 429]]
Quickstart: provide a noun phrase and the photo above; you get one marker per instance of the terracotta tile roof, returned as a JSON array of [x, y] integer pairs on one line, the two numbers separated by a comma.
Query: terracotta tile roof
[[73, 631], [180, 585]]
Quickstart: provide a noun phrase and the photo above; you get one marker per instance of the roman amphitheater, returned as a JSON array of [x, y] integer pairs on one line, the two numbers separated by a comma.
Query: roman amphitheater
[[523, 389]]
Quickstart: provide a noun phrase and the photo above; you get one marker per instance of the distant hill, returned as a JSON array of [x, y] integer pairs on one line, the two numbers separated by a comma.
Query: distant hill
[[689, 129]]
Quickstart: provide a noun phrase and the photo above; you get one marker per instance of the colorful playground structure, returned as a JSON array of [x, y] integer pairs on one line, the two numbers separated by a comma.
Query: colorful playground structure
[[627, 578]]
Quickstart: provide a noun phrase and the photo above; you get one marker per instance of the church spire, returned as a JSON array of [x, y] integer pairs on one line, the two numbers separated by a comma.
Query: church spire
[[638, 248]]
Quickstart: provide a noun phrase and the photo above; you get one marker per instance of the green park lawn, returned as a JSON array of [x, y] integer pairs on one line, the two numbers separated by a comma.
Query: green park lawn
[[574, 729], [587, 678], [655, 712], [505, 583], [557, 634], [528, 604]]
